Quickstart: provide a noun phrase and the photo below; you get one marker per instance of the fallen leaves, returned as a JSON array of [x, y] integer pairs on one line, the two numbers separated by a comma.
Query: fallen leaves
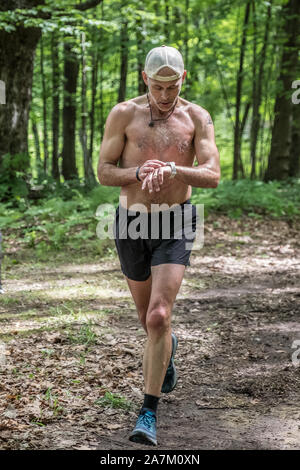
[[50, 385]]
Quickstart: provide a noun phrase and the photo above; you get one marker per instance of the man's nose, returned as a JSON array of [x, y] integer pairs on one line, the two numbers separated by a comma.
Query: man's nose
[[164, 94]]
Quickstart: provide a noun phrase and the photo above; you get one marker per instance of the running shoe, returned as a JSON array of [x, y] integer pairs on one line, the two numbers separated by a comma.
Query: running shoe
[[145, 429], [170, 380]]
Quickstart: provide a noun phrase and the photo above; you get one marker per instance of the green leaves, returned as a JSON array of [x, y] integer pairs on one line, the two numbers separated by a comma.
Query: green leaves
[[251, 197]]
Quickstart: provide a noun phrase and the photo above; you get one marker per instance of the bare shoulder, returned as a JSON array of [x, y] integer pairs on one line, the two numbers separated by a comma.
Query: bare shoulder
[[199, 115], [122, 112]]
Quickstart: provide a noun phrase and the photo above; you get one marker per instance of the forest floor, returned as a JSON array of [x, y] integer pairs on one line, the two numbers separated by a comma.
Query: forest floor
[[71, 347]]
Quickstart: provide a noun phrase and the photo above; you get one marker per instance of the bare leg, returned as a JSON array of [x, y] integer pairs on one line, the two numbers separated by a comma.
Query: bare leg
[[141, 291], [166, 281], [154, 299]]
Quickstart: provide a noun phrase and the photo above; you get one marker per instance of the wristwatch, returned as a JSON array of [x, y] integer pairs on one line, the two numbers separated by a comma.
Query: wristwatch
[[173, 168]]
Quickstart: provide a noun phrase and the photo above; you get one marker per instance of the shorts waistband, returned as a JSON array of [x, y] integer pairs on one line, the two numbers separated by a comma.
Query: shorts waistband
[[134, 213]]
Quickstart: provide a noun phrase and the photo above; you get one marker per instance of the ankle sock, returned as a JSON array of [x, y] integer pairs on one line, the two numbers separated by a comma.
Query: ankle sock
[[150, 403]]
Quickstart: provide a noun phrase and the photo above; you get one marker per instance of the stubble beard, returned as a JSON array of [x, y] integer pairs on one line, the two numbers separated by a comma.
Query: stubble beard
[[160, 110]]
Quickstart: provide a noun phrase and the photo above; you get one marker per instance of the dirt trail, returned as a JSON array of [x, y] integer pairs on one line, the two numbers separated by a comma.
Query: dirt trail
[[236, 318]]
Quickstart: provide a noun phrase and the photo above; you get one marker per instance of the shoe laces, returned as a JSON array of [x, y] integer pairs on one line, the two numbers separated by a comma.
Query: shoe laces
[[148, 418]]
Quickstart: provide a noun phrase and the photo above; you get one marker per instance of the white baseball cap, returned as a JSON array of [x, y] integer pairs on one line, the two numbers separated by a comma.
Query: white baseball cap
[[164, 56]]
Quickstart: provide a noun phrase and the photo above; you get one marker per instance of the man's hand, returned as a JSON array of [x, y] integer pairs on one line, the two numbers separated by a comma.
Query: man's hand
[[148, 167], [155, 177]]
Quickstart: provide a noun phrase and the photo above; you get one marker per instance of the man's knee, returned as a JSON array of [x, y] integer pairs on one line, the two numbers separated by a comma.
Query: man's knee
[[158, 318]]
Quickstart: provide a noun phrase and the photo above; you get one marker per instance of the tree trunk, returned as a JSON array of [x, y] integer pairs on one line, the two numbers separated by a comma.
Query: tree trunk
[[44, 97], [279, 157], [167, 22], [55, 104], [37, 146], [16, 70], [242, 127], [101, 97], [101, 66], [71, 68], [257, 86], [237, 130], [89, 176], [186, 47], [219, 69], [124, 61], [95, 62], [142, 88], [186, 34]]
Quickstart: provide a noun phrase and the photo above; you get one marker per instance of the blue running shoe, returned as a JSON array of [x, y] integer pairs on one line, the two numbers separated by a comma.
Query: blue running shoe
[[145, 429], [170, 380]]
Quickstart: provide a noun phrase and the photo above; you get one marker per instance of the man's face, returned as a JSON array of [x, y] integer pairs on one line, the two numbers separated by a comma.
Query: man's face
[[164, 94]]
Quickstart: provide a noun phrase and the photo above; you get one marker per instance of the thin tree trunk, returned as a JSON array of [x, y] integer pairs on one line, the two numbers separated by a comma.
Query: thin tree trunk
[[186, 34], [255, 99], [95, 62], [219, 71], [237, 132], [167, 22], [71, 68], [186, 46], [124, 61], [44, 96], [37, 146], [242, 127], [101, 78], [55, 104], [257, 86], [140, 55], [89, 176], [279, 157], [101, 97]]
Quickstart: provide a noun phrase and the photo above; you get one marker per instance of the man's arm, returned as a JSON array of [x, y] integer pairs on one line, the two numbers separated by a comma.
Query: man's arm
[[109, 174], [207, 173]]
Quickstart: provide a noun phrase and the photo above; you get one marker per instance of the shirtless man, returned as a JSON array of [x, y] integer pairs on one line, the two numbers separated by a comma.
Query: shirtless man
[[155, 139]]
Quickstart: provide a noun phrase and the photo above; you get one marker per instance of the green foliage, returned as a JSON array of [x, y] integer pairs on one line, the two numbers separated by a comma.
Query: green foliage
[[66, 218], [59, 225], [13, 174], [251, 197], [113, 400], [52, 400], [209, 35], [85, 335]]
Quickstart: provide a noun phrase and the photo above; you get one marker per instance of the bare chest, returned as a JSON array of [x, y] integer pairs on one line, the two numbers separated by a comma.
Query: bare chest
[[166, 140]]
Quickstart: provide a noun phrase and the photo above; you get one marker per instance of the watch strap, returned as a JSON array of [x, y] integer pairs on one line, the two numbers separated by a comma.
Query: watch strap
[[173, 168]]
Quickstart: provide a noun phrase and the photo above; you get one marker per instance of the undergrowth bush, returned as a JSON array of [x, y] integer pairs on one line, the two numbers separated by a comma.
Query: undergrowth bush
[[55, 223], [253, 198]]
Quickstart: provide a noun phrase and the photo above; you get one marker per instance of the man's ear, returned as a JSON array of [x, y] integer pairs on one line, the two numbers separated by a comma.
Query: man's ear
[[145, 78], [183, 76]]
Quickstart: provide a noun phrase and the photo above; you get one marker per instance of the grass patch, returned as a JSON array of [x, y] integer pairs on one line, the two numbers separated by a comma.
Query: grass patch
[[112, 400], [86, 335]]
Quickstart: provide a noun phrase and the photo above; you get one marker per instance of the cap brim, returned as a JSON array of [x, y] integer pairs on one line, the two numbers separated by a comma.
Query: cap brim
[[169, 78]]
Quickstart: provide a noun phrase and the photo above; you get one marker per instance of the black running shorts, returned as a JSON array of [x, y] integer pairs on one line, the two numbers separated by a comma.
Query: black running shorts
[[145, 239]]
